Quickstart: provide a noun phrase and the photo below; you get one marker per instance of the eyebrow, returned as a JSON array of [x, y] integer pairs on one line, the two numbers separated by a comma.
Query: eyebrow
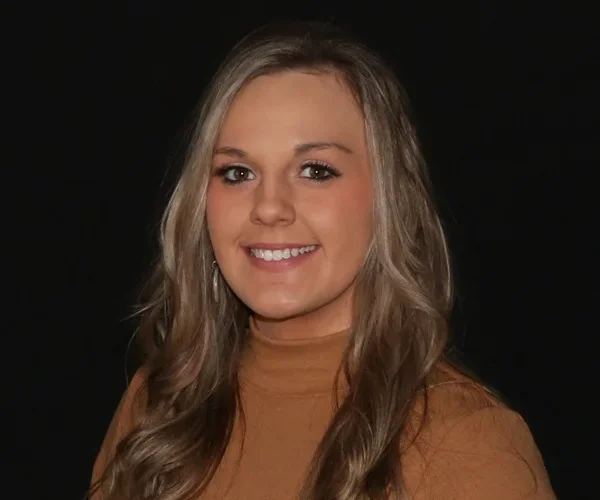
[[298, 150]]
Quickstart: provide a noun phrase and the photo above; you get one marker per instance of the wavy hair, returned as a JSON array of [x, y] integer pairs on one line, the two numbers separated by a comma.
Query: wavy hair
[[193, 344]]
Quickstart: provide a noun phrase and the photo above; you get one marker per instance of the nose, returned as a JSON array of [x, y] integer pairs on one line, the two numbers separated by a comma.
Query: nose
[[273, 203]]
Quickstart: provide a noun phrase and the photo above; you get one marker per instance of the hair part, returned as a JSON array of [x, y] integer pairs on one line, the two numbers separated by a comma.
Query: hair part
[[193, 345]]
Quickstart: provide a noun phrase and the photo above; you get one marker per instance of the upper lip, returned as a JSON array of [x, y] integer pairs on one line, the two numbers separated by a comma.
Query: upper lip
[[277, 246]]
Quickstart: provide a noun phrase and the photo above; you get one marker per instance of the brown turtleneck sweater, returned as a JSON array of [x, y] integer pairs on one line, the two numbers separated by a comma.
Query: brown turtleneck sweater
[[470, 447]]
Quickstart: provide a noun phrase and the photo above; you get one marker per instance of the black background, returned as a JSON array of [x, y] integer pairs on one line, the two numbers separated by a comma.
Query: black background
[[98, 100]]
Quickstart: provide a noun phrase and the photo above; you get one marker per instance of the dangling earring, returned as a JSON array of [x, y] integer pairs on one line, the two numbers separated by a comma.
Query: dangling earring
[[215, 281]]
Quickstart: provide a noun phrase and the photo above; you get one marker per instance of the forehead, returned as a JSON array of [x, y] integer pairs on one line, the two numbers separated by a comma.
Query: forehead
[[291, 107]]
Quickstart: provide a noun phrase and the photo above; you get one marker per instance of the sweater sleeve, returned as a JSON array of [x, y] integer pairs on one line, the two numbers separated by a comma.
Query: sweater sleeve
[[124, 419], [487, 455]]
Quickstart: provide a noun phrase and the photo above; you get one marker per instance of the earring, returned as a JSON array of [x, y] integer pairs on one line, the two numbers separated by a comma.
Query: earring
[[215, 281]]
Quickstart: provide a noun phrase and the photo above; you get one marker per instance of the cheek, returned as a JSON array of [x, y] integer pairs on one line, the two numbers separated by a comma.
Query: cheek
[[213, 213], [222, 216], [344, 219]]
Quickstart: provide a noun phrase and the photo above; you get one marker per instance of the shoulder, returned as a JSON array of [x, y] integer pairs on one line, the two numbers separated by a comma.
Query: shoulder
[[125, 418], [471, 445]]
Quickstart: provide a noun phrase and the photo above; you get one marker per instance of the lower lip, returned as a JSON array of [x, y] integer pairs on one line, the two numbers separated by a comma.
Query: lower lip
[[280, 265]]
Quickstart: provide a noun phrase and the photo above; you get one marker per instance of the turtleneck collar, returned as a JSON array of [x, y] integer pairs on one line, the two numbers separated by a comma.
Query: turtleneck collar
[[299, 366]]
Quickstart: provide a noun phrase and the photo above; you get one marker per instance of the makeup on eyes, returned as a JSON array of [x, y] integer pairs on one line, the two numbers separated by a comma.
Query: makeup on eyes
[[244, 173]]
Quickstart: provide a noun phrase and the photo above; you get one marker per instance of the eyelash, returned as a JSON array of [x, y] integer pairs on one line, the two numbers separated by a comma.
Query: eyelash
[[223, 171], [331, 171]]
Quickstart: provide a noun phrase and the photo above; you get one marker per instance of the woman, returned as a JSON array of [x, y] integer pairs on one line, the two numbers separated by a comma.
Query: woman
[[294, 339]]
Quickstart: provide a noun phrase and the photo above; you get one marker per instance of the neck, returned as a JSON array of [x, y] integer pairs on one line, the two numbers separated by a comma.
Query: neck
[[307, 365], [317, 323]]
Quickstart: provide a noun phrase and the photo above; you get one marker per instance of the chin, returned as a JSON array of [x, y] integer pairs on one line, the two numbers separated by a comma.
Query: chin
[[279, 310]]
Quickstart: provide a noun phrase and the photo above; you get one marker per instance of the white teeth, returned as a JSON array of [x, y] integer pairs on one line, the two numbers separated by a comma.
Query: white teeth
[[277, 255]]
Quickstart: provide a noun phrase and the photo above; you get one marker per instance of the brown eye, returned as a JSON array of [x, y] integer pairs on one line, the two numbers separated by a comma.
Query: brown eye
[[318, 171], [235, 174]]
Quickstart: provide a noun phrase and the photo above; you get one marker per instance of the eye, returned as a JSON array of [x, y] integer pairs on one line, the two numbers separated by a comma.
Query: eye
[[318, 171], [235, 174]]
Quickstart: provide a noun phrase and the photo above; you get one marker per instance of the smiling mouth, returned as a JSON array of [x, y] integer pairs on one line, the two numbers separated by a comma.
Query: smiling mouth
[[269, 255]]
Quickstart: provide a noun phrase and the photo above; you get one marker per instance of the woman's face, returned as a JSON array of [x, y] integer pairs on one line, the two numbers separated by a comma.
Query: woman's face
[[290, 202]]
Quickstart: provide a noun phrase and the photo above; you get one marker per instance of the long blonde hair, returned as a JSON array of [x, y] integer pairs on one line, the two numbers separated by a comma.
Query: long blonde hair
[[193, 344]]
